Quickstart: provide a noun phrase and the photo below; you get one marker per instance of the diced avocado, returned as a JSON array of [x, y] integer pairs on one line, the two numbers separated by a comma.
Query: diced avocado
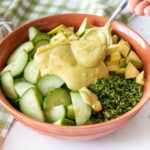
[[115, 39], [113, 48], [90, 98], [125, 48], [134, 59], [110, 63], [121, 70], [57, 29], [115, 56], [122, 47], [83, 27], [140, 78], [64, 121], [113, 67], [131, 71], [123, 62]]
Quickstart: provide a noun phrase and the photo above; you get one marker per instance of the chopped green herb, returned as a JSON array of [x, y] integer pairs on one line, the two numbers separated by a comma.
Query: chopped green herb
[[117, 96]]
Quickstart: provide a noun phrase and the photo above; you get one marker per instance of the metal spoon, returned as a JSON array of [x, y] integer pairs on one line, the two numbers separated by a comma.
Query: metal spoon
[[117, 11]]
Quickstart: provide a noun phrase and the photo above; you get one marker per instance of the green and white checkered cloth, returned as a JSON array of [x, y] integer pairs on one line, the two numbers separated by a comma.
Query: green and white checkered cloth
[[20, 11]]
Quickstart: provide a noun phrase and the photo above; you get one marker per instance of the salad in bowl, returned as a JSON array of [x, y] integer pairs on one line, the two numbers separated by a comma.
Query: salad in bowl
[[69, 77]]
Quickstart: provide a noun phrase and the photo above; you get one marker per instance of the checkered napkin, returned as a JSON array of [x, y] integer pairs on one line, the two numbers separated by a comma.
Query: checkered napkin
[[20, 11]]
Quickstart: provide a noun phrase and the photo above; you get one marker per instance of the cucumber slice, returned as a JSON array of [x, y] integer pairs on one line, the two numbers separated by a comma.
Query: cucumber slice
[[83, 27], [33, 32], [57, 97], [37, 45], [55, 113], [30, 104], [70, 112], [17, 66], [49, 83], [8, 85], [41, 36], [31, 72], [64, 121], [82, 111], [22, 86], [27, 46]]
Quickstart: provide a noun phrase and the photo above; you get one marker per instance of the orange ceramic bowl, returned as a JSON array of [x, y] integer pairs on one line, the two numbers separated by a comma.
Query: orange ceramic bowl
[[20, 34]]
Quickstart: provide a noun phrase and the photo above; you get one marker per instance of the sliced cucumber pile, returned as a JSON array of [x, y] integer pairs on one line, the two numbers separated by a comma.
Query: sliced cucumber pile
[[42, 98]]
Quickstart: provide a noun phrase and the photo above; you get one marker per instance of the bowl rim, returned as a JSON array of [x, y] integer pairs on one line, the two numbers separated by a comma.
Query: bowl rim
[[12, 110]]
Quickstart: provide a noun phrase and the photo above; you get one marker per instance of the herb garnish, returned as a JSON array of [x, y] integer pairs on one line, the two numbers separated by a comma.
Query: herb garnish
[[117, 96]]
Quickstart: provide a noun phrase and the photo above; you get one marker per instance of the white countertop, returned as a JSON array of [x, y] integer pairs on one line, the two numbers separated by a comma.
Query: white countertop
[[135, 135]]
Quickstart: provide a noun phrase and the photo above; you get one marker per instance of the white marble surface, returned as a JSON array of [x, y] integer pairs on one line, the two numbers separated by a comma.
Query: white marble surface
[[135, 135]]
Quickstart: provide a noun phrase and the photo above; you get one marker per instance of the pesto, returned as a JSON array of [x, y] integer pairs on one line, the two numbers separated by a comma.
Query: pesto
[[117, 96]]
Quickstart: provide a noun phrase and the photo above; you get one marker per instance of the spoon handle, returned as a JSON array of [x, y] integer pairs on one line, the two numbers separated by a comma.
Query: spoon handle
[[118, 10]]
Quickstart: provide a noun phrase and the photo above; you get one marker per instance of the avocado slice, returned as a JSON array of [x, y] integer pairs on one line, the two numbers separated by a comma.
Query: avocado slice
[[115, 56], [112, 48], [134, 59], [122, 47], [131, 71], [123, 62], [140, 78], [125, 48], [83, 27]]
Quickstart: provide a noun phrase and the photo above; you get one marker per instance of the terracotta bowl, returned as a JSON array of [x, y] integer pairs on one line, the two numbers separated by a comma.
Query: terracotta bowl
[[20, 34]]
